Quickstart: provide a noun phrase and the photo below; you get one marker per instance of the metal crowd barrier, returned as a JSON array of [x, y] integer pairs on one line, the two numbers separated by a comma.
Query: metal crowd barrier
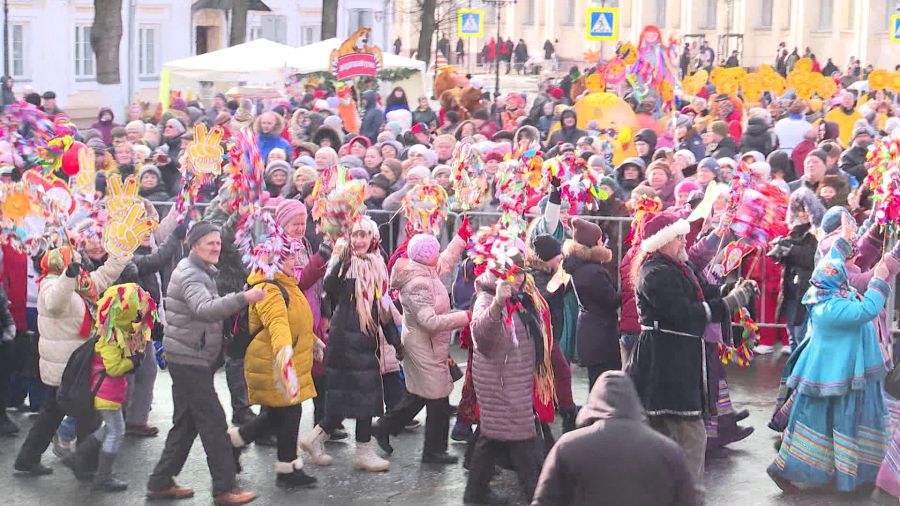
[[392, 235]]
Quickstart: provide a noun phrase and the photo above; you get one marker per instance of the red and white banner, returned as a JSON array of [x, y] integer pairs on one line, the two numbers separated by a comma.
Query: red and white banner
[[355, 65]]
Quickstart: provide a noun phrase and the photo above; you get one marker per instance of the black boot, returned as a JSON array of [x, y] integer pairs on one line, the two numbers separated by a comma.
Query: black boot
[[382, 436], [81, 460], [105, 480], [295, 479]]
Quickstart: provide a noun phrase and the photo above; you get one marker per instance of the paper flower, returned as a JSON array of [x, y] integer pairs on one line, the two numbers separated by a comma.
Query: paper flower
[[826, 87], [894, 83], [878, 79], [467, 176], [752, 87], [498, 250], [804, 65], [692, 84], [425, 207], [262, 242]]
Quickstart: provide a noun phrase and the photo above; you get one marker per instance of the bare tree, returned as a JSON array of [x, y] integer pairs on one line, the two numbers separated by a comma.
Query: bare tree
[[432, 16], [239, 10], [106, 35], [329, 18]]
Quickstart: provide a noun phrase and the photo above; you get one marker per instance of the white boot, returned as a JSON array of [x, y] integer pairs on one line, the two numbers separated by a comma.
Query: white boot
[[365, 459], [313, 443]]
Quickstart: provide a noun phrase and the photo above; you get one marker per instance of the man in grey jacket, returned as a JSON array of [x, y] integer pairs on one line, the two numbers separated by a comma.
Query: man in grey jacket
[[193, 342]]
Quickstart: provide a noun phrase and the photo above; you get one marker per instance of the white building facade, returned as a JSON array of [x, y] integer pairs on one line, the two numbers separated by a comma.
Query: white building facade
[[49, 41]]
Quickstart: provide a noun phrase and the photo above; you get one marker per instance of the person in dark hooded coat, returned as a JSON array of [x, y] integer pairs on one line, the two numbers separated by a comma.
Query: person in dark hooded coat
[[8, 97], [373, 118], [630, 173], [568, 132], [648, 137], [612, 424], [105, 124], [330, 136]]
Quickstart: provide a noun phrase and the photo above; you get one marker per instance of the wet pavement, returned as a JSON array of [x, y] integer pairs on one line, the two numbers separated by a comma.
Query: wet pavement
[[735, 478]]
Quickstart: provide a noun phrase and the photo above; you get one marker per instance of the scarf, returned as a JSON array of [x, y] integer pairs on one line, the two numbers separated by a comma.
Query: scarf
[[829, 279], [535, 314], [53, 265], [370, 275]]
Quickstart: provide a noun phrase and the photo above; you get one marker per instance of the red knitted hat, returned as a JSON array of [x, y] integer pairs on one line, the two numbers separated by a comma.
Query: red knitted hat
[[662, 229]]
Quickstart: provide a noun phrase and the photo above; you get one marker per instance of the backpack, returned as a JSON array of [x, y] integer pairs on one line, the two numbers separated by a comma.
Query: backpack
[[242, 337], [76, 393]]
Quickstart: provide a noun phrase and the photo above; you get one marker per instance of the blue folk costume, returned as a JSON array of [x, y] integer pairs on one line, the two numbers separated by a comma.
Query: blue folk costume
[[837, 431], [549, 223]]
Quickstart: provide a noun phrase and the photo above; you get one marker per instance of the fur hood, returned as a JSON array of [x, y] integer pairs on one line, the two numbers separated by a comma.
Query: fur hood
[[595, 254], [535, 263], [279, 125]]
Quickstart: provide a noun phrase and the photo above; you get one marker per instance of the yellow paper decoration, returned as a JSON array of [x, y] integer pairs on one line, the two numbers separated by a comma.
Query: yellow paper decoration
[[204, 155], [121, 237], [826, 87], [627, 53], [121, 197], [879, 79], [804, 65], [894, 83], [694, 83], [752, 87], [595, 82], [17, 204]]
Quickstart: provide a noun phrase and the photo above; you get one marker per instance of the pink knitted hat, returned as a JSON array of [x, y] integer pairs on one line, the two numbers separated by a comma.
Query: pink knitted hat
[[423, 249], [288, 210]]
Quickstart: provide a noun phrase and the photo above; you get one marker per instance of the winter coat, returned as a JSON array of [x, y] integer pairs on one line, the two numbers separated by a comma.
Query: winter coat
[[726, 148], [668, 368], [232, 274], [105, 127], [195, 313], [649, 136], [373, 118], [113, 390], [542, 275], [694, 144], [14, 280], [352, 365], [846, 121], [612, 424], [61, 313], [427, 116], [502, 368], [757, 137], [797, 258], [598, 300], [798, 155], [566, 134], [282, 325], [427, 329], [628, 320], [853, 162]]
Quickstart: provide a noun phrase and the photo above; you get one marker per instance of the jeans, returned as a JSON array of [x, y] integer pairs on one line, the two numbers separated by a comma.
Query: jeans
[[197, 412], [283, 422], [237, 385], [140, 390], [797, 332], [66, 430], [112, 431]]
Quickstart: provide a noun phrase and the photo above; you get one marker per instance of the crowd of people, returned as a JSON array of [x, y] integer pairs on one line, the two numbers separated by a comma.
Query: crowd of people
[[363, 326]]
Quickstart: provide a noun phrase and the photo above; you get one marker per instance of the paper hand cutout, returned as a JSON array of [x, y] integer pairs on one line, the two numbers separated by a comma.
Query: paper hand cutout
[[205, 153], [287, 378], [122, 236], [122, 197], [83, 182]]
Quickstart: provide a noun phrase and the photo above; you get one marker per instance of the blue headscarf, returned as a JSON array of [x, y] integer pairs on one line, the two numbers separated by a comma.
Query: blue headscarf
[[830, 278]]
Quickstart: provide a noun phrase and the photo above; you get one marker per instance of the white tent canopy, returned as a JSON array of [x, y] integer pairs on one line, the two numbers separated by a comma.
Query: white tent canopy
[[259, 61], [315, 58]]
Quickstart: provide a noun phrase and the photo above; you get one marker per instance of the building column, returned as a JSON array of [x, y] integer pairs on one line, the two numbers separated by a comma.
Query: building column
[[861, 31]]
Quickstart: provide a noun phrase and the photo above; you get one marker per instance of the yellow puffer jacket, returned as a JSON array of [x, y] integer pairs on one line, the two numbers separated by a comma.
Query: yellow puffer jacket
[[290, 325]]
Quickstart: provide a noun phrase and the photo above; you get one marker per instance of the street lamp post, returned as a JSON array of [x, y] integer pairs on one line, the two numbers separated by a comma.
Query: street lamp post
[[498, 4]]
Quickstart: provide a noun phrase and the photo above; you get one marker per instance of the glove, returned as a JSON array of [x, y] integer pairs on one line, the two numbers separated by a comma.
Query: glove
[[318, 350], [741, 294], [9, 334], [555, 182], [73, 270], [401, 352], [325, 250], [180, 231], [136, 359], [160, 353], [504, 291], [465, 230], [287, 381]]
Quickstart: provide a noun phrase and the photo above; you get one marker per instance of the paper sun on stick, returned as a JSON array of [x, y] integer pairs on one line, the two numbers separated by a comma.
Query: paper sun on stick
[[468, 177], [339, 202], [425, 207], [497, 248]]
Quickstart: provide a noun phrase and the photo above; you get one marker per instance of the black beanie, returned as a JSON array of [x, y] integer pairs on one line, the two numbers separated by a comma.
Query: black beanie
[[546, 247], [200, 230]]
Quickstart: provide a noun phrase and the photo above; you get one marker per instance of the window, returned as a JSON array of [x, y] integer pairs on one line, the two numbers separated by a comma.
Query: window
[[570, 12], [850, 18], [84, 53], [255, 33], [660, 13], [765, 15], [529, 12], [147, 58], [826, 15], [274, 28], [711, 8], [310, 34], [17, 58]]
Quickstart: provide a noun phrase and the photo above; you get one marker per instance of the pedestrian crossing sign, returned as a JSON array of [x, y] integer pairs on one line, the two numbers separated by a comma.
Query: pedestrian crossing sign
[[470, 23], [895, 28], [602, 23]]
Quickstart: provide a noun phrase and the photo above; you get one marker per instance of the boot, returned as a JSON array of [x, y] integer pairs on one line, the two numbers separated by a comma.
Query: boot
[[439, 458], [105, 480], [462, 432], [313, 443], [7, 426], [568, 418], [382, 436], [80, 460], [234, 497], [291, 475], [36, 469], [365, 459], [740, 415]]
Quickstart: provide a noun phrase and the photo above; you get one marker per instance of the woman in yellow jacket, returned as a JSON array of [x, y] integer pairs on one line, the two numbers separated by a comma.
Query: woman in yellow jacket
[[278, 369]]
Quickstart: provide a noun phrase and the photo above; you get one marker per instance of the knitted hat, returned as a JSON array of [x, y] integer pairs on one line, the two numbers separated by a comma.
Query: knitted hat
[[351, 161], [176, 124], [276, 165], [358, 173], [719, 128], [200, 230], [709, 163], [832, 219], [440, 169], [687, 155], [686, 186], [287, 210], [423, 249], [135, 126], [546, 247], [395, 166], [151, 169], [380, 181], [419, 171], [661, 230], [859, 131], [304, 160], [586, 233], [756, 155]]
